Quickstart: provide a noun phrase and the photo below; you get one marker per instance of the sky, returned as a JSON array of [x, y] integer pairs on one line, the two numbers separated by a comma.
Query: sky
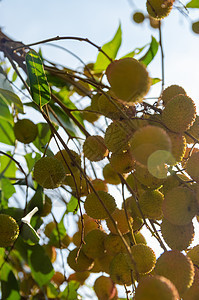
[[32, 21]]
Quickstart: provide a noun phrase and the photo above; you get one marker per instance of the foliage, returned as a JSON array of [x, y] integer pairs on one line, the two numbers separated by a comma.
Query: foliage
[[147, 149]]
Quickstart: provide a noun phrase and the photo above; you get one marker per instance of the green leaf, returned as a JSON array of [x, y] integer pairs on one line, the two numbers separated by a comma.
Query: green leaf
[[11, 98], [155, 80], [7, 166], [37, 200], [70, 292], [6, 133], [40, 264], [7, 189], [149, 56], [111, 48], [43, 137], [72, 205], [5, 112], [193, 4], [31, 159], [29, 234], [15, 212], [9, 284], [39, 87]]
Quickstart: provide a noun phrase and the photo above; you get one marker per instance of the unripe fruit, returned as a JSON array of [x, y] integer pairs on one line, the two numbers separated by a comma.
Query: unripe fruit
[[176, 267], [78, 261], [154, 23], [114, 244], [110, 175], [105, 288], [79, 276], [138, 17], [120, 270], [193, 254], [170, 92], [195, 27], [94, 148], [69, 162], [144, 258], [9, 230], [145, 178], [49, 172], [192, 168], [148, 140], [179, 206], [120, 218], [159, 9], [151, 204], [99, 185], [156, 288], [179, 113], [25, 131], [94, 243], [88, 115], [122, 162], [94, 207], [129, 79], [194, 131], [177, 237]]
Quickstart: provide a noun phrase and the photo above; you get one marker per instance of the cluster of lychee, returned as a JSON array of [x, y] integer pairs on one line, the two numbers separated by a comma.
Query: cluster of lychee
[[153, 154]]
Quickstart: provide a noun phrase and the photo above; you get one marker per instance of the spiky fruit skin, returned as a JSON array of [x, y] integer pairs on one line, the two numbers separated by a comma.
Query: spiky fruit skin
[[170, 92], [79, 262], [105, 288], [120, 218], [194, 131], [89, 115], [179, 113], [144, 258], [25, 131], [113, 244], [193, 292], [110, 107], [179, 206], [156, 288], [122, 162], [99, 185], [178, 142], [49, 172], [77, 183], [159, 9], [151, 204], [129, 79], [191, 168], [69, 162], [148, 140], [176, 267], [177, 237], [138, 17], [117, 135], [133, 207], [110, 175], [193, 254], [94, 148], [120, 270], [139, 238], [94, 243], [195, 27], [79, 276], [94, 207], [104, 262], [9, 230], [145, 178]]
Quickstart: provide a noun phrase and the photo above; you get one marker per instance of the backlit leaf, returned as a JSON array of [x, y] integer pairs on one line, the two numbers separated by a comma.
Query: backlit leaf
[[193, 4], [111, 48], [149, 56], [11, 98], [39, 87], [6, 133], [9, 284]]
